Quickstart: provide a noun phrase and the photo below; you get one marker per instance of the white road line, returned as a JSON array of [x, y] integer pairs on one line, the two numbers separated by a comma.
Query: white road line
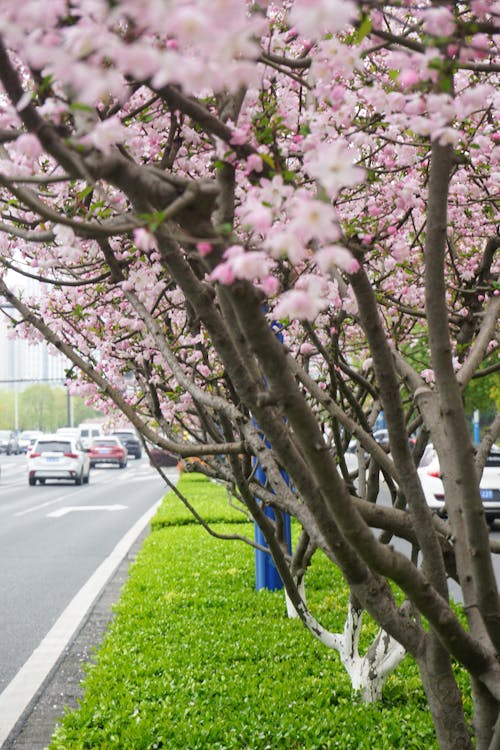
[[47, 504], [23, 687], [78, 508], [95, 480]]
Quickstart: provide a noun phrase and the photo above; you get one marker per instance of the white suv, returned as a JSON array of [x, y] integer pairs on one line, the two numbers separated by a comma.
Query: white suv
[[87, 432], [58, 457], [489, 486]]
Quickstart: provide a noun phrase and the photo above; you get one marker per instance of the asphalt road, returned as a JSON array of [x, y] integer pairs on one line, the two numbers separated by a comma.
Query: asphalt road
[[52, 539]]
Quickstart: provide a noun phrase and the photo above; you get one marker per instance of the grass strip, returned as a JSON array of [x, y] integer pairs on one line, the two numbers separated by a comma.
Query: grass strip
[[196, 659]]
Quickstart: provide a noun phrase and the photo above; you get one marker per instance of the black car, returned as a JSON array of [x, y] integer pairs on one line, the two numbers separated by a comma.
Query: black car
[[131, 442]]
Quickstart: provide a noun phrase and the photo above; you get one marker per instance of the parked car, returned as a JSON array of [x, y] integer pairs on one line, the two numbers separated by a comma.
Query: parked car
[[163, 458], [27, 439], [107, 450], [489, 486], [58, 457], [130, 440], [8, 442]]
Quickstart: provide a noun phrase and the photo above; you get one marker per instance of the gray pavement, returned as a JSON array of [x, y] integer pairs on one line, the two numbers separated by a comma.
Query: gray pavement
[[61, 689]]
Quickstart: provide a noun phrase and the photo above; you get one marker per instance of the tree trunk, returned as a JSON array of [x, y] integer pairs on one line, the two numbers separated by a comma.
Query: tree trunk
[[485, 716], [444, 698]]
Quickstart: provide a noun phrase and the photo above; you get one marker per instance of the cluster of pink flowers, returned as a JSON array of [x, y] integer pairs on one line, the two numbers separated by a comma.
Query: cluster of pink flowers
[[330, 160]]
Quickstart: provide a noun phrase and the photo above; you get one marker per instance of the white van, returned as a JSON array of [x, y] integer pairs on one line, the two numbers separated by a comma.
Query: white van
[[88, 432]]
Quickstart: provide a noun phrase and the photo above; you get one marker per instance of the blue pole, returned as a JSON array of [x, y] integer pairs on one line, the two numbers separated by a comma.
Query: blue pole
[[266, 573], [476, 427]]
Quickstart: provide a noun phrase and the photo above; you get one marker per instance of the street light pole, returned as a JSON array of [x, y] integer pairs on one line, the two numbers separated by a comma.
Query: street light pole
[[69, 405]]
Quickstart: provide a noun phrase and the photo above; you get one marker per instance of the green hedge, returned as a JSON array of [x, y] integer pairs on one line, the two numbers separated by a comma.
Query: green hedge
[[196, 659], [210, 500]]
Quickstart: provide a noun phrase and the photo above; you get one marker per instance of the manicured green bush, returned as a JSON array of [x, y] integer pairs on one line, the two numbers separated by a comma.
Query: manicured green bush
[[196, 659], [210, 500]]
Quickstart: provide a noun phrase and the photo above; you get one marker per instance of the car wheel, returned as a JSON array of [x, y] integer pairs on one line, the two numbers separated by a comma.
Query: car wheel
[[32, 481], [42, 481], [86, 479], [79, 480]]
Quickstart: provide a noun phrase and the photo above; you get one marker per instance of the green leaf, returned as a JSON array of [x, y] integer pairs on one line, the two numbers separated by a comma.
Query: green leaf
[[363, 29]]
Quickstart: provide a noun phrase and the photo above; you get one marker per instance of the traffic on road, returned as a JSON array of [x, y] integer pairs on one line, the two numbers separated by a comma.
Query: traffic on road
[[52, 539]]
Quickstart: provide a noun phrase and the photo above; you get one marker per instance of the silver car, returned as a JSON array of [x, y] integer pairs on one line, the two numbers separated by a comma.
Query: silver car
[[58, 457], [8, 442]]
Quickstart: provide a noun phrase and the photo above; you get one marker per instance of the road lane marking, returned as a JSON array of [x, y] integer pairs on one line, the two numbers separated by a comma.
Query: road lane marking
[[101, 480], [71, 508], [22, 688], [47, 504]]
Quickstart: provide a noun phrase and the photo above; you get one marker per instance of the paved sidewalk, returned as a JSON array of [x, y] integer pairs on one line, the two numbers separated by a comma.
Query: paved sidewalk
[[62, 689]]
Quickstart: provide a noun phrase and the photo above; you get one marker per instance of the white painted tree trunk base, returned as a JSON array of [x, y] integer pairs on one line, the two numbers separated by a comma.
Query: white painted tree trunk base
[[368, 672]]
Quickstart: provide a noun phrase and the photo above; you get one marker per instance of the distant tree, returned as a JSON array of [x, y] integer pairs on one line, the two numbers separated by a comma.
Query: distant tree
[[37, 408], [82, 411], [483, 393], [7, 410]]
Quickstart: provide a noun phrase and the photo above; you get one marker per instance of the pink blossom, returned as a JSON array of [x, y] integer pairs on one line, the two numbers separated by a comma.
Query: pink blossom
[[204, 370], [367, 364], [253, 164], [274, 192], [480, 7], [270, 285], [408, 77], [338, 93], [299, 304], [256, 215], [400, 251], [250, 265], [223, 273], [204, 248], [314, 17], [336, 255], [144, 239], [29, 145], [285, 243], [480, 46], [234, 250], [63, 235], [106, 134], [438, 21], [313, 219], [332, 165], [239, 136], [446, 136]]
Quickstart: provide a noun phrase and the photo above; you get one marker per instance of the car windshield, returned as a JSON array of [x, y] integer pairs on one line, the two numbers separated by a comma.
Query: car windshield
[[53, 446], [105, 442]]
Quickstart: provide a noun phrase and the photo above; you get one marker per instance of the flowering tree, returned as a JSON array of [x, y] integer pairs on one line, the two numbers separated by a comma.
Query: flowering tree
[[254, 227]]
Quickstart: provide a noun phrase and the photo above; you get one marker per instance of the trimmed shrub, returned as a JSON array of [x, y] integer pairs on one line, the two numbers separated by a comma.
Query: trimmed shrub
[[196, 659]]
